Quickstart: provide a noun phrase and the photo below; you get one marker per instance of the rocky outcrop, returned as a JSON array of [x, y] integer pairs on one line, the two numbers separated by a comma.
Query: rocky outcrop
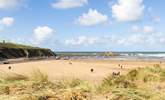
[[13, 53]]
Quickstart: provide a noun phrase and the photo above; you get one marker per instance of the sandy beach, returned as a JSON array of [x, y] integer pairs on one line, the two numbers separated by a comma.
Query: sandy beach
[[66, 69]]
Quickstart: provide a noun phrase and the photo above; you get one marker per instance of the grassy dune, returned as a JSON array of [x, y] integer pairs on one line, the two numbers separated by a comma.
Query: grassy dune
[[138, 84]]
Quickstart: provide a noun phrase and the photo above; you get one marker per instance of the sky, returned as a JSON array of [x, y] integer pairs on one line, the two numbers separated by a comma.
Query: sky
[[85, 25]]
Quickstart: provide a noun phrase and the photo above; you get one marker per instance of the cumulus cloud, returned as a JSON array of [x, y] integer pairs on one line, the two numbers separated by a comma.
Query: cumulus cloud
[[133, 40], [65, 4], [10, 4], [90, 41], [128, 10], [7, 21], [93, 17], [42, 32], [81, 40]]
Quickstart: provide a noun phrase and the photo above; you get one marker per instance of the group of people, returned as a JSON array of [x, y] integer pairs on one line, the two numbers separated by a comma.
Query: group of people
[[114, 73]]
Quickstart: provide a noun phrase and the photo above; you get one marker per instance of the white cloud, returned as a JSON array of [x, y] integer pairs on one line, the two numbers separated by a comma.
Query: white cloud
[[144, 29], [65, 4], [42, 32], [10, 4], [148, 29], [7, 21], [128, 10], [134, 40], [93, 17], [81, 40]]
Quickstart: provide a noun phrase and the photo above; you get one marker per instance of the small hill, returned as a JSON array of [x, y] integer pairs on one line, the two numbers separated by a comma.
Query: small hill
[[13, 51]]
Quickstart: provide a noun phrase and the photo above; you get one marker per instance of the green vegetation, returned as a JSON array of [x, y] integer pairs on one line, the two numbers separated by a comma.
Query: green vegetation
[[38, 87], [13, 45], [13, 51], [109, 54], [138, 84]]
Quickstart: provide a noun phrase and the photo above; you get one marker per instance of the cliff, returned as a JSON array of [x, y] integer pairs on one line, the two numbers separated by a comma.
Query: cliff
[[13, 51]]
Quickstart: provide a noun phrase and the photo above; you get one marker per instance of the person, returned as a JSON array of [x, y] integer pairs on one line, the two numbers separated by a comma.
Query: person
[[70, 63], [92, 69], [9, 67]]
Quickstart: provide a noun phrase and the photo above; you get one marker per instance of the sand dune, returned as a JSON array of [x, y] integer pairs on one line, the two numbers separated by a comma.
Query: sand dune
[[64, 69]]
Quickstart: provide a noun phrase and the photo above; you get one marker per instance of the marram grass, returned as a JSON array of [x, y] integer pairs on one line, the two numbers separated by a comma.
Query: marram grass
[[138, 84]]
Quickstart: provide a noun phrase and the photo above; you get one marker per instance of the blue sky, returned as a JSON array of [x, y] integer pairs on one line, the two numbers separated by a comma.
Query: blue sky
[[85, 25]]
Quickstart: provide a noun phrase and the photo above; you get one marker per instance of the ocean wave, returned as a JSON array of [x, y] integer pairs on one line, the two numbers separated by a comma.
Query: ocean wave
[[160, 55]]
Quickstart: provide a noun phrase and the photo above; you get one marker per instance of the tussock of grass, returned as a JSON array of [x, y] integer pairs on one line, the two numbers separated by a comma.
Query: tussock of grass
[[38, 87], [38, 76], [148, 74], [63, 84], [135, 85], [115, 82], [75, 84]]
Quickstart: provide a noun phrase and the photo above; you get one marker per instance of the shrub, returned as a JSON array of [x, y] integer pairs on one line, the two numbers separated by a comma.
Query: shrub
[[132, 75], [150, 77], [115, 82], [156, 68], [5, 90]]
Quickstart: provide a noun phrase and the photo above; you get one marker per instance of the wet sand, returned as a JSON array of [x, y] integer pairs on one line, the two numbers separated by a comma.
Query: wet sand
[[68, 69]]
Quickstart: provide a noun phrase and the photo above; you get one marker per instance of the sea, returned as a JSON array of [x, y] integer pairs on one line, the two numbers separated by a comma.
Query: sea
[[117, 55]]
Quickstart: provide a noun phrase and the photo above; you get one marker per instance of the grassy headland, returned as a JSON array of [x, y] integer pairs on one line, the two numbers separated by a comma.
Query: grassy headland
[[13, 51], [13, 45]]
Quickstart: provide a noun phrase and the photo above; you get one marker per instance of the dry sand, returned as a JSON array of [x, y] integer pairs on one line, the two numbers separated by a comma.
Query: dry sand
[[66, 69]]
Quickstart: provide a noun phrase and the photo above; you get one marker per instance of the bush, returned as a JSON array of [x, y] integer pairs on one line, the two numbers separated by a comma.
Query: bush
[[132, 75], [115, 82], [150, 78], [156, 68]]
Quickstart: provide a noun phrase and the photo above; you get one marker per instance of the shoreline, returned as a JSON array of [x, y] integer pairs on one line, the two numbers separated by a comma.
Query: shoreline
[[24, 60]]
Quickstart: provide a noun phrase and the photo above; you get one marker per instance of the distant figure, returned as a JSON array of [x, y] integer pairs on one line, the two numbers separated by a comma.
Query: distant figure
[[116, 74], [160, 62], [92, 70], [70, 63], [6, 62], [113, 73], [9, 67], [121, 67]]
